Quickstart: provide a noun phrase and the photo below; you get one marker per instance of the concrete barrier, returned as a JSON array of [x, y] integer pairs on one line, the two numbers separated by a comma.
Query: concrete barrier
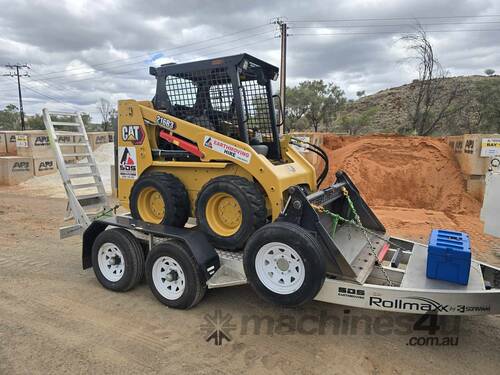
[[10, 141], [98, 139], [475, 186], [467, 149], [34, 144], [311, 137], [44, 166], [15, 169], [3, 144]]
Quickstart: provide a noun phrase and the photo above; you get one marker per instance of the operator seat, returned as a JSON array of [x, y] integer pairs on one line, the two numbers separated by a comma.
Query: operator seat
[[260, 149]]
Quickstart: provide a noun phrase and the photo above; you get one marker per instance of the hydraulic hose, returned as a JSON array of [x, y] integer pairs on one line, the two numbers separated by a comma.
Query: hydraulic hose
[[318, 151]]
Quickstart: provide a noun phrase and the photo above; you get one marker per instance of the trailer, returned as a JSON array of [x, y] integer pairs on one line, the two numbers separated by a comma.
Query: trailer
[[410, 292], [326, 246]]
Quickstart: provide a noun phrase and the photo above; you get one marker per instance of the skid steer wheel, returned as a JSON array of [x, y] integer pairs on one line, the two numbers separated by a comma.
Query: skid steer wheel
[[117, 260], [284, 265], [160, 198], [173, 275], [229, 209]]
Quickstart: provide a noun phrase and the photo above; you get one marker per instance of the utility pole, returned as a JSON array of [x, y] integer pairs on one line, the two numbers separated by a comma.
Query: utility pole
[[16, 74], [283, 28]]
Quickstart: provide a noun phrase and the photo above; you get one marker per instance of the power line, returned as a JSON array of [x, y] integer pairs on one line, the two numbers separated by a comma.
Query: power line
[[18, 67], [391, 32], [59, 100], [142, 67], [396, 25], [283, 28], [49, 97], [395, 18], [158, 51]]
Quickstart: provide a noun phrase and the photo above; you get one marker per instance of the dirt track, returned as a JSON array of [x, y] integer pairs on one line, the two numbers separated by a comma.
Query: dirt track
[[55, 318]]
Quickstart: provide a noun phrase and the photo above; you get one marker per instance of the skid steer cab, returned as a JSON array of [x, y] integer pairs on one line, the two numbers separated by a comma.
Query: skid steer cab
[[208, 146]]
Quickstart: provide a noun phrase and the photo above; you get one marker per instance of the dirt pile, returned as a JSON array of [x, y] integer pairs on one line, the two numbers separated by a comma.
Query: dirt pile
[[413, 172]]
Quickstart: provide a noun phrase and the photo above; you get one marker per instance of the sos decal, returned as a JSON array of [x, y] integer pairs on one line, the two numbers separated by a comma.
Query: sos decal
[[128, 163], [227, 149], [133, 133]]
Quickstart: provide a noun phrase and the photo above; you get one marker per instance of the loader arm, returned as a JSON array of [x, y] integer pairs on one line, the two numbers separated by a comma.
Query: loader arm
[[216, 150]]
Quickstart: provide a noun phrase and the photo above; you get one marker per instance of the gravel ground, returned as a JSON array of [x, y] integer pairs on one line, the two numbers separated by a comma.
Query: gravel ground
[[56, 318]]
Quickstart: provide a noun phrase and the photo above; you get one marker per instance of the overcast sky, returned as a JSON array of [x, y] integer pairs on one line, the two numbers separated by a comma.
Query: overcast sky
[[81, 51]]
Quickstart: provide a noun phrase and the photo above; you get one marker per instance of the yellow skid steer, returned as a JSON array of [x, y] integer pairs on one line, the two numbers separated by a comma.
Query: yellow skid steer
[[208, 146]]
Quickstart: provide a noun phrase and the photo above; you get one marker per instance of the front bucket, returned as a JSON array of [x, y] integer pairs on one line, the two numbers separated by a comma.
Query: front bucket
[[351, 235]]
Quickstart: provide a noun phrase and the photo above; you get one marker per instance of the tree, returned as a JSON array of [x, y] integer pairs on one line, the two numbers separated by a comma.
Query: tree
[[107, 111], [489, 72], [296, 106], [86, 118], [315, 102], [360, 94], [354, 123], [432, 100], [489, 106], [9, 118], [35, 122]]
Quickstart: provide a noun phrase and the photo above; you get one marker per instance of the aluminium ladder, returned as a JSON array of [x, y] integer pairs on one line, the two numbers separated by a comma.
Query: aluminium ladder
[[81, 179]]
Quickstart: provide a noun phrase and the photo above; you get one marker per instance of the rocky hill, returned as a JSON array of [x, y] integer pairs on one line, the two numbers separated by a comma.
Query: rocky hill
[[388, 110]]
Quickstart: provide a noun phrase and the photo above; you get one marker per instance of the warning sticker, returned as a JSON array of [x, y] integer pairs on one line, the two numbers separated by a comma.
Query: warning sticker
[[227, 149], [22, 141], [128, 163], [490, 147]]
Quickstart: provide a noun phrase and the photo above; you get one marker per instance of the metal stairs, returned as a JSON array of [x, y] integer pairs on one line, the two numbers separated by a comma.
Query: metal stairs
[[81, 179]]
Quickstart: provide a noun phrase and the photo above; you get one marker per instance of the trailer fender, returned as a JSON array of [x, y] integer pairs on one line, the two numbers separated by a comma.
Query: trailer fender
[[89, 237], [195, 242]]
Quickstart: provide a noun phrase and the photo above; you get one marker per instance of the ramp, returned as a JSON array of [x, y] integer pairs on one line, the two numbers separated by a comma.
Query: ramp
[[82, 181]]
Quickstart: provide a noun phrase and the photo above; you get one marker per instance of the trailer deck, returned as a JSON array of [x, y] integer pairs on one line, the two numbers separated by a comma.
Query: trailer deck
[[411, 291]]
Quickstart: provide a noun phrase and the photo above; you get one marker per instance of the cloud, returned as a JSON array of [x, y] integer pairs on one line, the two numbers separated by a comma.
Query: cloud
[[81, 51]]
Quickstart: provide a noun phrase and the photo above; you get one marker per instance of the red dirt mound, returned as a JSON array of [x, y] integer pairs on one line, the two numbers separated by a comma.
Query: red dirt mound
[[413, 172]]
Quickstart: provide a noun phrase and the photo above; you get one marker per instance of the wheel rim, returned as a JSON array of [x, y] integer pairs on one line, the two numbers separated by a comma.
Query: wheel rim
[[223, 213], [280, 268], [111, 262], [151, 206], [168, 278]]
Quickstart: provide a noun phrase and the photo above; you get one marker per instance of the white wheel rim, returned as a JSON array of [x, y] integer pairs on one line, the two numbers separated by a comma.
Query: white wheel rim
[[168, 278], [111, 262], [280, 268]]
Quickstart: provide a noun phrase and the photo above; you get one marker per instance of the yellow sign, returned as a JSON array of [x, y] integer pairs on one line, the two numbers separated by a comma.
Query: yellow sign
[[490, 147]]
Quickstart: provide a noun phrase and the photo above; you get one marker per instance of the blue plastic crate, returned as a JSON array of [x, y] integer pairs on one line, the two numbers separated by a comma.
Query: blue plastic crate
[[449, 256]]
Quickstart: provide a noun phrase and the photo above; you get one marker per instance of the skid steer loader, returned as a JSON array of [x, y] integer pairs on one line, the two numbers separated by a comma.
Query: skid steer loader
[[208, 146]]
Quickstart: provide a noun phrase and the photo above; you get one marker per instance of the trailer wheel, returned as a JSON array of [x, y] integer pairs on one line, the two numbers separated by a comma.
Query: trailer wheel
[[160, 198], [117, 260], [284, 265], [173, 275], [229, 209]]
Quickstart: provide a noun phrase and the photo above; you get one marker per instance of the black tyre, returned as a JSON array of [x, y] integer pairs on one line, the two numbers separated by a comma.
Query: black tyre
[[284, 265], [160, 198], [173, 275], [117, 260], [229, 209]]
